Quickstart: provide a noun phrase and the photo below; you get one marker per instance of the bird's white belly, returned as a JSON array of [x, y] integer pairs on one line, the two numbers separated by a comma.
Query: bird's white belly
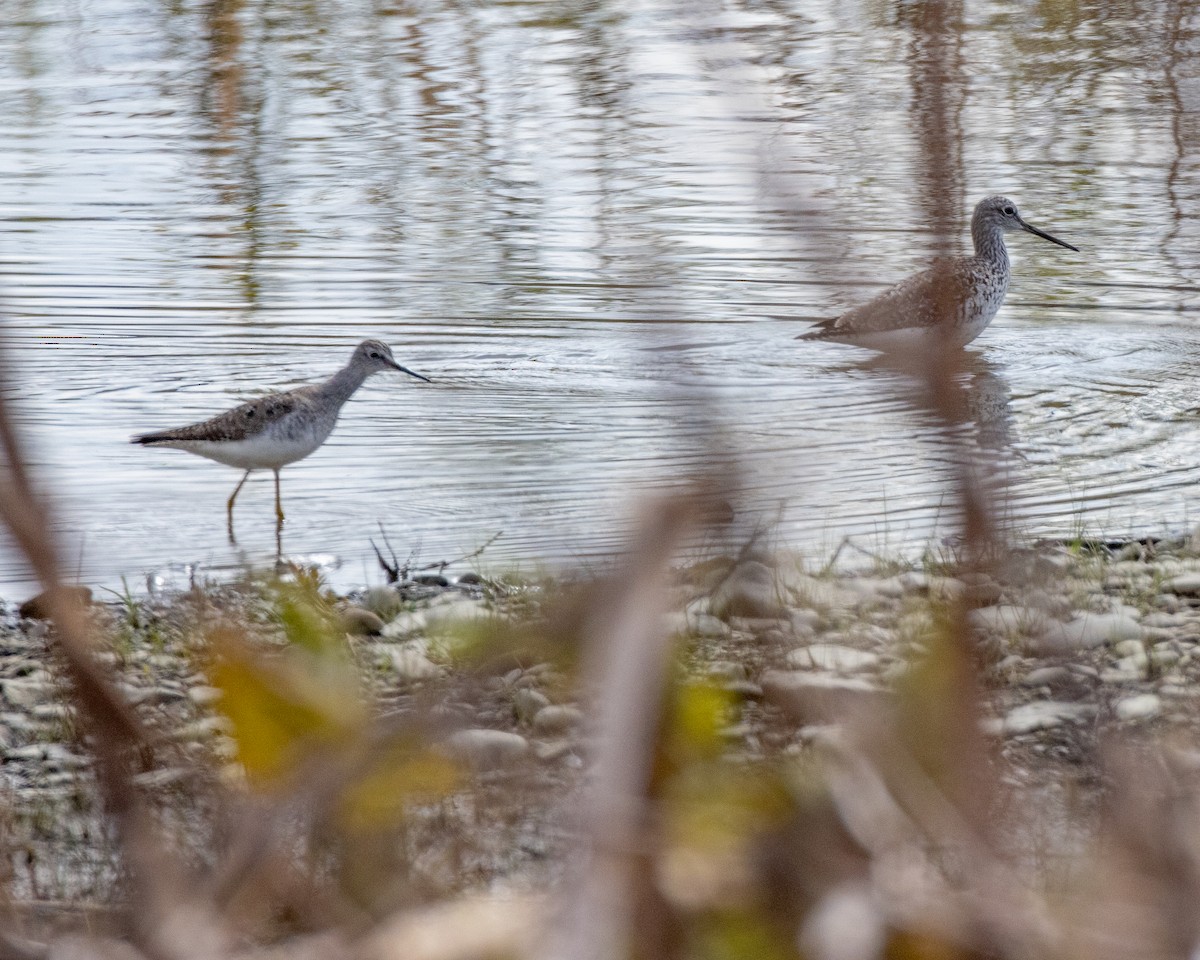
[[264, 452]]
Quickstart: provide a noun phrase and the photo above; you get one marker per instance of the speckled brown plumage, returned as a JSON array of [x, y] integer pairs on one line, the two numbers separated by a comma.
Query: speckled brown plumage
[[272, 431], [955, 298]]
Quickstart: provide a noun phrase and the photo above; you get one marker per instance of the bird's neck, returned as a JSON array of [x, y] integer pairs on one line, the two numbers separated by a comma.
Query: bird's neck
[[989, 243], [341, 385]]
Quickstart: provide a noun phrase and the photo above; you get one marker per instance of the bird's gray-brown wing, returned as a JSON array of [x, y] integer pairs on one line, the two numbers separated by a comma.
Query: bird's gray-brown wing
[[922, 300], [249, 418]]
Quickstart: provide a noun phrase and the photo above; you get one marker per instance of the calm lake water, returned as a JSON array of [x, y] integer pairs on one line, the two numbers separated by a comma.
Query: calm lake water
[[597, 227]]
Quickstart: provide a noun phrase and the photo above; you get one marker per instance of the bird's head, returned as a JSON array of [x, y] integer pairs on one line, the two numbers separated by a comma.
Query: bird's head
[[374, 356]]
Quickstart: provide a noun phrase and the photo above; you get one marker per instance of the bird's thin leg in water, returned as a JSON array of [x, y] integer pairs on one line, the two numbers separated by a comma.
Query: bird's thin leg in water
[[229, 506], [278, 521]]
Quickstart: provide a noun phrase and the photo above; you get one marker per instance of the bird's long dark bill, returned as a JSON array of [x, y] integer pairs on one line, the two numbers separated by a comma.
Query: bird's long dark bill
[[1045, 236], [417, 375]]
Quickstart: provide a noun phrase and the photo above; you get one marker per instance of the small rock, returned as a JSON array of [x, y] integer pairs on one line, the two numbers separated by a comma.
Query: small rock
[[748, 591], [726, 670], [1186, 584], [457, 611], [527, 703], [484, 749], [384, 602], [1086, 631], [822, 594], [550, 750], [1129, 648], [157, 779], [204, 696], [1141, 707], [1044, 715], [431, 580], [404, 624], [832, 656], [202, 729], [27, 693], [411, 664], [817, 697], [361, 622], [470, 579], [557, 719], [38, 608], [759, 626], [1007, 619], [696, 625], [746, 689], [1047, 677]]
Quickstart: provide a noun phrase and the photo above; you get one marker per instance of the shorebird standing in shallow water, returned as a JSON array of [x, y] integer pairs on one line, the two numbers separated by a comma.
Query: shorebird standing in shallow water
[[280, 428], [955, 298]]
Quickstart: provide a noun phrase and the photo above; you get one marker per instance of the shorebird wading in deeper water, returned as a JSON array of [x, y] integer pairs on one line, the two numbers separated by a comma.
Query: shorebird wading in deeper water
[[280, 428], [955, 298]]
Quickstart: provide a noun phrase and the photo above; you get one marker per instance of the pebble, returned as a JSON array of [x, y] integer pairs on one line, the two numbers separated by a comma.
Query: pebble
[[1040, 715], [833, 656], [1007, 619], [684, 624], [361, 622], [411, 664], [824, 595], [205, 696], [1186, 584], [1087, 630], [818, 697], [748, 591], [1140, 707], [527, 703], [456, 611], [38, 608], [557, 719], [157, 779], [384, 602], [484, 749], [28, 693], [1047, 676], [404, 624], [201, 729]]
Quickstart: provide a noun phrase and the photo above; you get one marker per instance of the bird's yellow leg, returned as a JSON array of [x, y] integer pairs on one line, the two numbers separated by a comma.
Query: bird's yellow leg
[[229, 505]]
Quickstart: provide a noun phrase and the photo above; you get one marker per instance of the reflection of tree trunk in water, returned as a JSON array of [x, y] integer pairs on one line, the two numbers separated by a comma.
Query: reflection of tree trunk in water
[[939, 80], [953, 755], [225, 65], [1182, 76]]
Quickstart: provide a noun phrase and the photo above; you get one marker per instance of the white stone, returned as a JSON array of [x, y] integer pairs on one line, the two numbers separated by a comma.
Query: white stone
[[1007, 619], [557, 719], [1044, 676], [1088, 630], [818, 697], [488, 749], [526, 703], [410, 663], [1043, 715], [1141, 707], [204, 696], [750, 590], [695, 624], [457, 611], [28, 693], [1186, 584], [408, 622], [832, 656]]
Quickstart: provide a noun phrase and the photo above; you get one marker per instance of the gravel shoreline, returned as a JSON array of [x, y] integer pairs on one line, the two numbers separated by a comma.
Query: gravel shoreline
[[1078, 642]]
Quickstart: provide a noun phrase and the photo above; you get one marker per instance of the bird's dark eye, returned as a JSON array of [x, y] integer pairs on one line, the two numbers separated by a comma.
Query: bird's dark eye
[[1009, 211], [373, 355]]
